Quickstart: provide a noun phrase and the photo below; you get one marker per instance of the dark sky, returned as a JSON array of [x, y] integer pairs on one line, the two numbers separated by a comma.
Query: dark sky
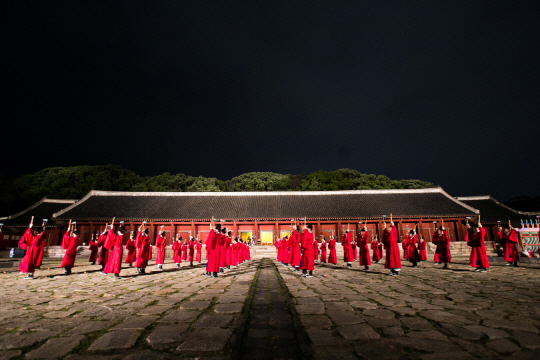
[[447, 93]]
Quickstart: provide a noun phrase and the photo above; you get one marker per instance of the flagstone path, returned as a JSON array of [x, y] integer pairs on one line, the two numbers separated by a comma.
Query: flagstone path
[[262, 310]]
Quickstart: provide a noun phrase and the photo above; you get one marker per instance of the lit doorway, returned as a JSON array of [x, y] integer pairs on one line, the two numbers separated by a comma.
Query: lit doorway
[[267, 237]]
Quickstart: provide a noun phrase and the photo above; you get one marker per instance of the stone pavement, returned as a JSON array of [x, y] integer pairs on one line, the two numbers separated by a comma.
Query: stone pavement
[[262, 310]]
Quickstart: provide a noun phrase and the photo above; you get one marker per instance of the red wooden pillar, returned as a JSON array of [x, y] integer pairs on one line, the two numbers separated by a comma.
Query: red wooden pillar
[[276, 230]]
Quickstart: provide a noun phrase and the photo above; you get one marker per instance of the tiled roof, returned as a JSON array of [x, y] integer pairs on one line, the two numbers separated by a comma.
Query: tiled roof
[[354, 204], [43, 209], [492, 210]]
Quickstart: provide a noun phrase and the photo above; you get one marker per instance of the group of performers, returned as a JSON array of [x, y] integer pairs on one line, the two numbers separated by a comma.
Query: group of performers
[[301, 250], [222, 251]]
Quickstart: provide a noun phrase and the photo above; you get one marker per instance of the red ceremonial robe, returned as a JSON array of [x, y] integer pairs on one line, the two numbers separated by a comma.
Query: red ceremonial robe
[[213, 246], [422, 251], [177, 252], [191, 250], [277, 244], [375, 247], [223, 252], [40, 254], [30, 243], [198, 246], [323, 251], [294, 241], [390, 240], [364, 249], [93, 247], [160, 245], [405, 247], [114, 265], [248, 252], [412, 251], [478, 256], [511, 252], [307, 248], [184, 251], [347, 249], [381, 252], [353, 248], [131, 252], [142, 242], [69, 243], [443, 247], [332, 258], [315, 250], [104, 254], [435, 240]]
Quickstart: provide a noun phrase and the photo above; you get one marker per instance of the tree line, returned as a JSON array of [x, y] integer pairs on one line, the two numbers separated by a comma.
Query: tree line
[[76, 181]]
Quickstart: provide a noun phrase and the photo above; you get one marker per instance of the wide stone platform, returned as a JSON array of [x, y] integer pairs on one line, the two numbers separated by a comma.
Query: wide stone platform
[[263, 310]]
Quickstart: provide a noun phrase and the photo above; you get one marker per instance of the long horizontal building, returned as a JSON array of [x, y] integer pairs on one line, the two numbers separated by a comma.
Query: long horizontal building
[[266, 215], [16, 225]]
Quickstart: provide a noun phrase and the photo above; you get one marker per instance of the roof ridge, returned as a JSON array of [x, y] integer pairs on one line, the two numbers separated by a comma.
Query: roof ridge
[[263, 193]]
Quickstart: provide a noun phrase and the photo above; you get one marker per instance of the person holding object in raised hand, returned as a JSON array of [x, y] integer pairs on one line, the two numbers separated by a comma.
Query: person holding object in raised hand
[[332, 257], [160, 245], [475, 239], [390, 241], [93, 247], [70, 241], [142, 242], [308, 263], [177, 250], [323, 250], [376, 257], [131, 250], [443, 245], [362, 243], [115, 241], [509, 236], [31, 242]]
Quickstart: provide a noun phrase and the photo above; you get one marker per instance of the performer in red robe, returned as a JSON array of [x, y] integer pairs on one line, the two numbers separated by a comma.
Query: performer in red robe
[[434, 241], [70, 241], [332, 258], [390, 241], [177, 251], [294, 243], [308, 263], [31, 242], [198, 247], [422, 250], [234, 252], [131, 250], [347, 248], [376, 257], [191, 250], [248, 251], [104, 253], [476, 234], [404, 247], [40, 254], [184, 250], [510, 239], [412, 251], [323, 250], [142, 242], [354, 250], [362, 243], [93, 247], [212, 248], [161, 242], [114, 265], [286, 251], [315, 250], [443, 246]]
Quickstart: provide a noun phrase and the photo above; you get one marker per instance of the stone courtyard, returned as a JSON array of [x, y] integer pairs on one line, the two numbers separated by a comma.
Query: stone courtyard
[[262, 310]]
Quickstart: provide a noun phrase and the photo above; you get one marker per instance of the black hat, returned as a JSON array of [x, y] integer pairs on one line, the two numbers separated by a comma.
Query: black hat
[[218, 227], [310, 227], [229, 233], [146, 231], [122, 229], [411, 231], [76, 232]]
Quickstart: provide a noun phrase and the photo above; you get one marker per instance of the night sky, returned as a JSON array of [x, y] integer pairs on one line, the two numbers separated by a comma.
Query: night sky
[[447, 93]]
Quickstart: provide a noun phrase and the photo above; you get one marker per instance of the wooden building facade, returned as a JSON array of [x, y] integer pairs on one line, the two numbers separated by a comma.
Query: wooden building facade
[[267, 215]]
